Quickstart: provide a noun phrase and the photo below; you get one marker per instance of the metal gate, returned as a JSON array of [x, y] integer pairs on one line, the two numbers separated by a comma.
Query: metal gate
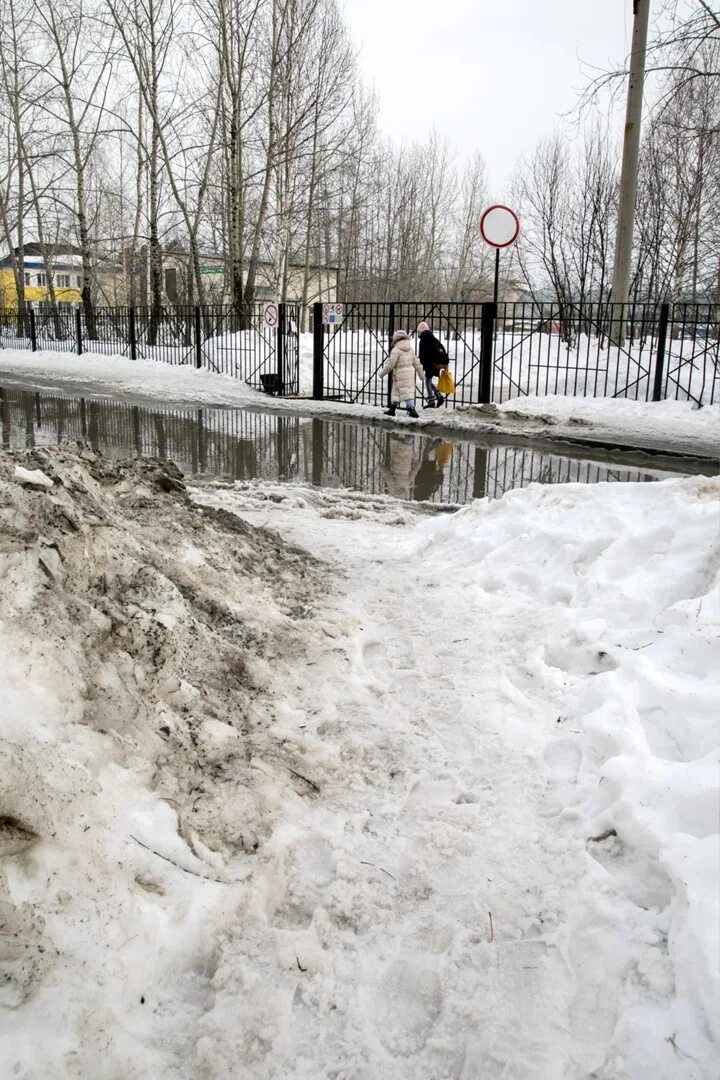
[[348, 358]]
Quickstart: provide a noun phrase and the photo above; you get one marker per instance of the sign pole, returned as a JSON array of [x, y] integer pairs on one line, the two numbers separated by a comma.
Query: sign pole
[[499, 228]]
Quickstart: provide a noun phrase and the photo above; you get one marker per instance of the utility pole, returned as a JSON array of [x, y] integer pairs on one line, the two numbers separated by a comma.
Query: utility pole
[[629, 172]]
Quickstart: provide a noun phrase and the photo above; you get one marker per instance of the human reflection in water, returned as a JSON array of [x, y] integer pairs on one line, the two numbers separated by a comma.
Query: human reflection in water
[[406, 477], [399, 470], [430, 474]]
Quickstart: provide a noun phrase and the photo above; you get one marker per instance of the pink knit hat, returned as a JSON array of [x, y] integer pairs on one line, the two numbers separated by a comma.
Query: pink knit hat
[[422, 328]]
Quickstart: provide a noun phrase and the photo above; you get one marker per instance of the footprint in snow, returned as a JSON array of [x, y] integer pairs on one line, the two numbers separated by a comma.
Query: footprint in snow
[[407, 1006], [307, 871], [563, 760]]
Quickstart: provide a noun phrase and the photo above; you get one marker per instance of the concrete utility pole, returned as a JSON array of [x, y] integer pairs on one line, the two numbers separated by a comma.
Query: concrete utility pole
[[631, 153]]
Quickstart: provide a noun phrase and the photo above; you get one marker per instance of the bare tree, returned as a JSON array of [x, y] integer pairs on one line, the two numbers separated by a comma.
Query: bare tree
[[685, 46], [469, 268], [78, 75], [18, 78], [233, 27], [680, 196], [542, 190]]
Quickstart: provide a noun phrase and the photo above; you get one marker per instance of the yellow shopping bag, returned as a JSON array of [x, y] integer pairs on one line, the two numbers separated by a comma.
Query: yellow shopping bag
[[446, 383]]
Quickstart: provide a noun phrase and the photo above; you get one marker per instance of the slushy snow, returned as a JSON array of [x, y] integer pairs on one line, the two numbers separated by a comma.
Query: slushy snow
[[295, 784]]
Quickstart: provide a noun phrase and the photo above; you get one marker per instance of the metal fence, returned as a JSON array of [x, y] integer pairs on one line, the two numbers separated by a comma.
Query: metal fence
[[218, 338], [498, 352], [245, 445]]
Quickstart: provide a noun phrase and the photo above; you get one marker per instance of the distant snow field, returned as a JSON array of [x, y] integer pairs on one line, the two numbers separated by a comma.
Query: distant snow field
[[296, 784]]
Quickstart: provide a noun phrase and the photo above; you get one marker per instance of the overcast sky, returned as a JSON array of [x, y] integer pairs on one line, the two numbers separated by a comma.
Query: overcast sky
[[491, 75]]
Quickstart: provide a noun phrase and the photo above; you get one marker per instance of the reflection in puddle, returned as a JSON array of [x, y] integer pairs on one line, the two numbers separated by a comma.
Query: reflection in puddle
[[245, 445]]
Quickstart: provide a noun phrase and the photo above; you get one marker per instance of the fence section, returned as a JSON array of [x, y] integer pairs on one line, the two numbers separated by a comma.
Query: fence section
[[641, 352], [219, 338]]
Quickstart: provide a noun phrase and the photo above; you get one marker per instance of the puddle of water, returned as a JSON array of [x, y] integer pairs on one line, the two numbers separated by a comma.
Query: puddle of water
[[246, 445]]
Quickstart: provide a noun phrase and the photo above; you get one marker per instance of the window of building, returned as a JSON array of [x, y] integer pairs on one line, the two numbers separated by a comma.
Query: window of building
[[63, 281], [41, 280], [27, 279], [78, 282]]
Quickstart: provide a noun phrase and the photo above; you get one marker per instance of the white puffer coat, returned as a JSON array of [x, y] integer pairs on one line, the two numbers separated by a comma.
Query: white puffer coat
[[404, 365]]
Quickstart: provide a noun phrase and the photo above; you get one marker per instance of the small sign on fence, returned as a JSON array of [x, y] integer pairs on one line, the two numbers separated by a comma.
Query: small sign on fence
[[332, 314], [271, 315]]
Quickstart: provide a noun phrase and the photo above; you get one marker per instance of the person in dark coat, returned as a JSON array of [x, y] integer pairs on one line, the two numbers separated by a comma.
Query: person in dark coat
[[433, 358], [430, 475]]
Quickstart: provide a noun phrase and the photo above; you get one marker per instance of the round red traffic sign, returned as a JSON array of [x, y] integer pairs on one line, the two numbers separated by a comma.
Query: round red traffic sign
[[499, 226]]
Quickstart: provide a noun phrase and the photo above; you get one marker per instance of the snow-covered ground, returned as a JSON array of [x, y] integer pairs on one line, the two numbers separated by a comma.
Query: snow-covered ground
[[668, 425], [364, 796]]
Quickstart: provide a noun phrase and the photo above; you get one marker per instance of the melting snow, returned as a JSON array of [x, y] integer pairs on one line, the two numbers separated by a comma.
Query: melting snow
[[296, 784]]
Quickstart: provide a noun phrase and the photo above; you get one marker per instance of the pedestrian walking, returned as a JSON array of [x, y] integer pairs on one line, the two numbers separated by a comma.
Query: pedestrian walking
[[404, 365], [433, 357]]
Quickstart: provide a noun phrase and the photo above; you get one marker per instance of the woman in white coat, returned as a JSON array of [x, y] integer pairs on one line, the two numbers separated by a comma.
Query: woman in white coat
[[404, 365]]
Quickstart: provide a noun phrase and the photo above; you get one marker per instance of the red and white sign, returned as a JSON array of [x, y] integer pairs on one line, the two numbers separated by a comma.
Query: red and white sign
[[271, 315], [332, 314], [499, 226]]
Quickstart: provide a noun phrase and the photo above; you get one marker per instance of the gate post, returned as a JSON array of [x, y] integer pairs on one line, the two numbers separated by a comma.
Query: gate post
[[391, 331], [78, 331], [133, 335], [660, 354], [318, 351], [487, 328], [33, 331], [280, 349], [198, 338]]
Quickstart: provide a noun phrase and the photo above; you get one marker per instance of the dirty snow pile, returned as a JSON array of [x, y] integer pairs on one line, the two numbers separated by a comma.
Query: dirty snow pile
[[437, 800], [140, 640]]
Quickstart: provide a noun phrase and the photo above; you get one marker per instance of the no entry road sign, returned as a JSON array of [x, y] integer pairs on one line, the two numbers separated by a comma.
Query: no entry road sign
[[499, 226]]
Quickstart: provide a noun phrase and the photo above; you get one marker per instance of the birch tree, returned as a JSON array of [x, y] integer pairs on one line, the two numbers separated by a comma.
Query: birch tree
[[78, 74]]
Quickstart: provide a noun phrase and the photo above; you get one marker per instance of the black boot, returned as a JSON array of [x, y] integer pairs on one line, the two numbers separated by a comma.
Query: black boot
[[391, 410], [413, 413]]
